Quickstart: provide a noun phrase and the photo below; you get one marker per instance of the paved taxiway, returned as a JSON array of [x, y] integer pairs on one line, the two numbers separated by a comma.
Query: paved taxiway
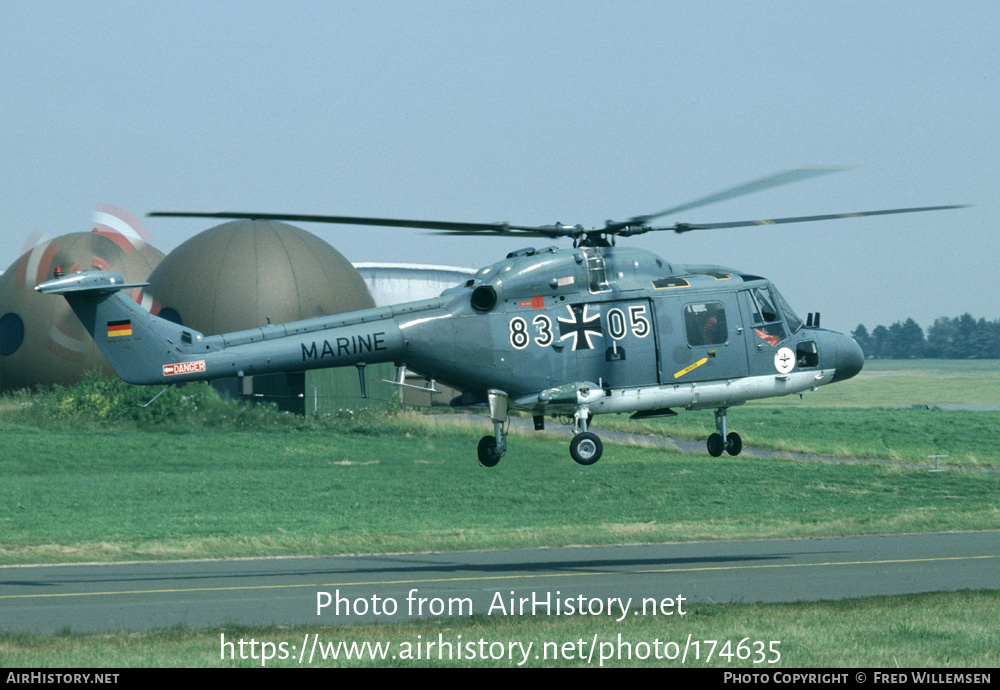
[[284, 590]]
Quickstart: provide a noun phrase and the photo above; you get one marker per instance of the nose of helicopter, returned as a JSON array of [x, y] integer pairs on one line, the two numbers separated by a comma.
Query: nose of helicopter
[[850, 359]]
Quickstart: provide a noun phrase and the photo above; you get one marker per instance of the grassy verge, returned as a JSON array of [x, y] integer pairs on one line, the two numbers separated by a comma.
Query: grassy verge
[[89, 475], [946, 630]]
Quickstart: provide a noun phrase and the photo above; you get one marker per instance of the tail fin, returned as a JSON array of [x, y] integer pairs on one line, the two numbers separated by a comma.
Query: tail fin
[[137, 344]]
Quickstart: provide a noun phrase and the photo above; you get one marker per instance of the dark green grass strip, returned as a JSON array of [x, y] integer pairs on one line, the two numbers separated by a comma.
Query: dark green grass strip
[[104, 494]]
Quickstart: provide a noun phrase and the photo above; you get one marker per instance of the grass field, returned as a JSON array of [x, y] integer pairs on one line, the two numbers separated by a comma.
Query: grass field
[[406, 484], [89, 477]]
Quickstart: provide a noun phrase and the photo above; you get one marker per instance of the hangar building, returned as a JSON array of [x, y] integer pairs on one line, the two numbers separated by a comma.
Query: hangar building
[[392, 283]]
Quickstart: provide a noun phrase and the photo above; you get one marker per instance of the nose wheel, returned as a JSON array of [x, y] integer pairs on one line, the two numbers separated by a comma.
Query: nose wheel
[[721, 442], [586, 447]]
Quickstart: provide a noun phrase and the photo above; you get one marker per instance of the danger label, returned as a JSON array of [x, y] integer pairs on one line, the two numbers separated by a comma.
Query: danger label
[[183, 368]]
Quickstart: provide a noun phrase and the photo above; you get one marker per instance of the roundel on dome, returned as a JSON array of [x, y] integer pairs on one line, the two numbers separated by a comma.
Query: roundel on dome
[[41, 340]]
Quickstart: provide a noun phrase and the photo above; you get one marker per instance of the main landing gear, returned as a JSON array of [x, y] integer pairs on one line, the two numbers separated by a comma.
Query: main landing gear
[[586, 448], [492, 448], [721, 441]]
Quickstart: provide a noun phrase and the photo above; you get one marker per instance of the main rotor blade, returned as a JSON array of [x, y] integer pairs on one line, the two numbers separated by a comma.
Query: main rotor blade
[[686, 227], [752, 187], [345, 220], [549, 231], [521, 232]]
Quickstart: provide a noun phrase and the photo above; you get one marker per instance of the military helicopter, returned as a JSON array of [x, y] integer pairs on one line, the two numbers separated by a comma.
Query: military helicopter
[[569, 333]]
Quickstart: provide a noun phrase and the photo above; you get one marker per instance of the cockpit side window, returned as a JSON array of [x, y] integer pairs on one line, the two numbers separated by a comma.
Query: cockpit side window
[[765, 309], [794, 322], [767, 323]]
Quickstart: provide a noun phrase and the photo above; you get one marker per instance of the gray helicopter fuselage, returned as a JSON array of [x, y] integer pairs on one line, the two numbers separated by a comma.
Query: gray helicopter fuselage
[[619, 329]]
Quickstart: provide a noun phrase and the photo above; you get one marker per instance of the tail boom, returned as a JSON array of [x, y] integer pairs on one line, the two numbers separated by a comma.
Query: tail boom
[[145, 349]]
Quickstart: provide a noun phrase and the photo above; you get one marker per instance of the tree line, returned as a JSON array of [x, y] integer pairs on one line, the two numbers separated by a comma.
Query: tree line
[[960, 338]]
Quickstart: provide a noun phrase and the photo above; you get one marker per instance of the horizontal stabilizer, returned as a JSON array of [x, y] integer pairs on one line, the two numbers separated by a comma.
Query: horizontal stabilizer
[[87, 281]]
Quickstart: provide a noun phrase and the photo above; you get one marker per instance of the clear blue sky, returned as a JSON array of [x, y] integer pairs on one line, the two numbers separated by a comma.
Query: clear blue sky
[[529, 112]]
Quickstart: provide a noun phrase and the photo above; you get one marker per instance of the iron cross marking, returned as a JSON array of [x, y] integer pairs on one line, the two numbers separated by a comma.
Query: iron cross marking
[[581, 327]]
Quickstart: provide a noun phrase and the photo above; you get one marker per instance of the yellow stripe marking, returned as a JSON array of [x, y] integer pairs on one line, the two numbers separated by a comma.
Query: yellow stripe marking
[[486, 578], [689, 369]]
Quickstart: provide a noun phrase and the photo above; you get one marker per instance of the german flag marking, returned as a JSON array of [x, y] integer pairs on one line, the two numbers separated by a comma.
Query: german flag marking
[[117, 328]]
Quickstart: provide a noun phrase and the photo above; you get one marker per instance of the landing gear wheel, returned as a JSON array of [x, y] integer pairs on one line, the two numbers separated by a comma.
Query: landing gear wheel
[[716, 444], [586, 448], [734, 444], [489, 456]]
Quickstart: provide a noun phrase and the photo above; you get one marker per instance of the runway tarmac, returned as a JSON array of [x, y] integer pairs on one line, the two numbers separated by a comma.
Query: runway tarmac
[[138, 596]]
